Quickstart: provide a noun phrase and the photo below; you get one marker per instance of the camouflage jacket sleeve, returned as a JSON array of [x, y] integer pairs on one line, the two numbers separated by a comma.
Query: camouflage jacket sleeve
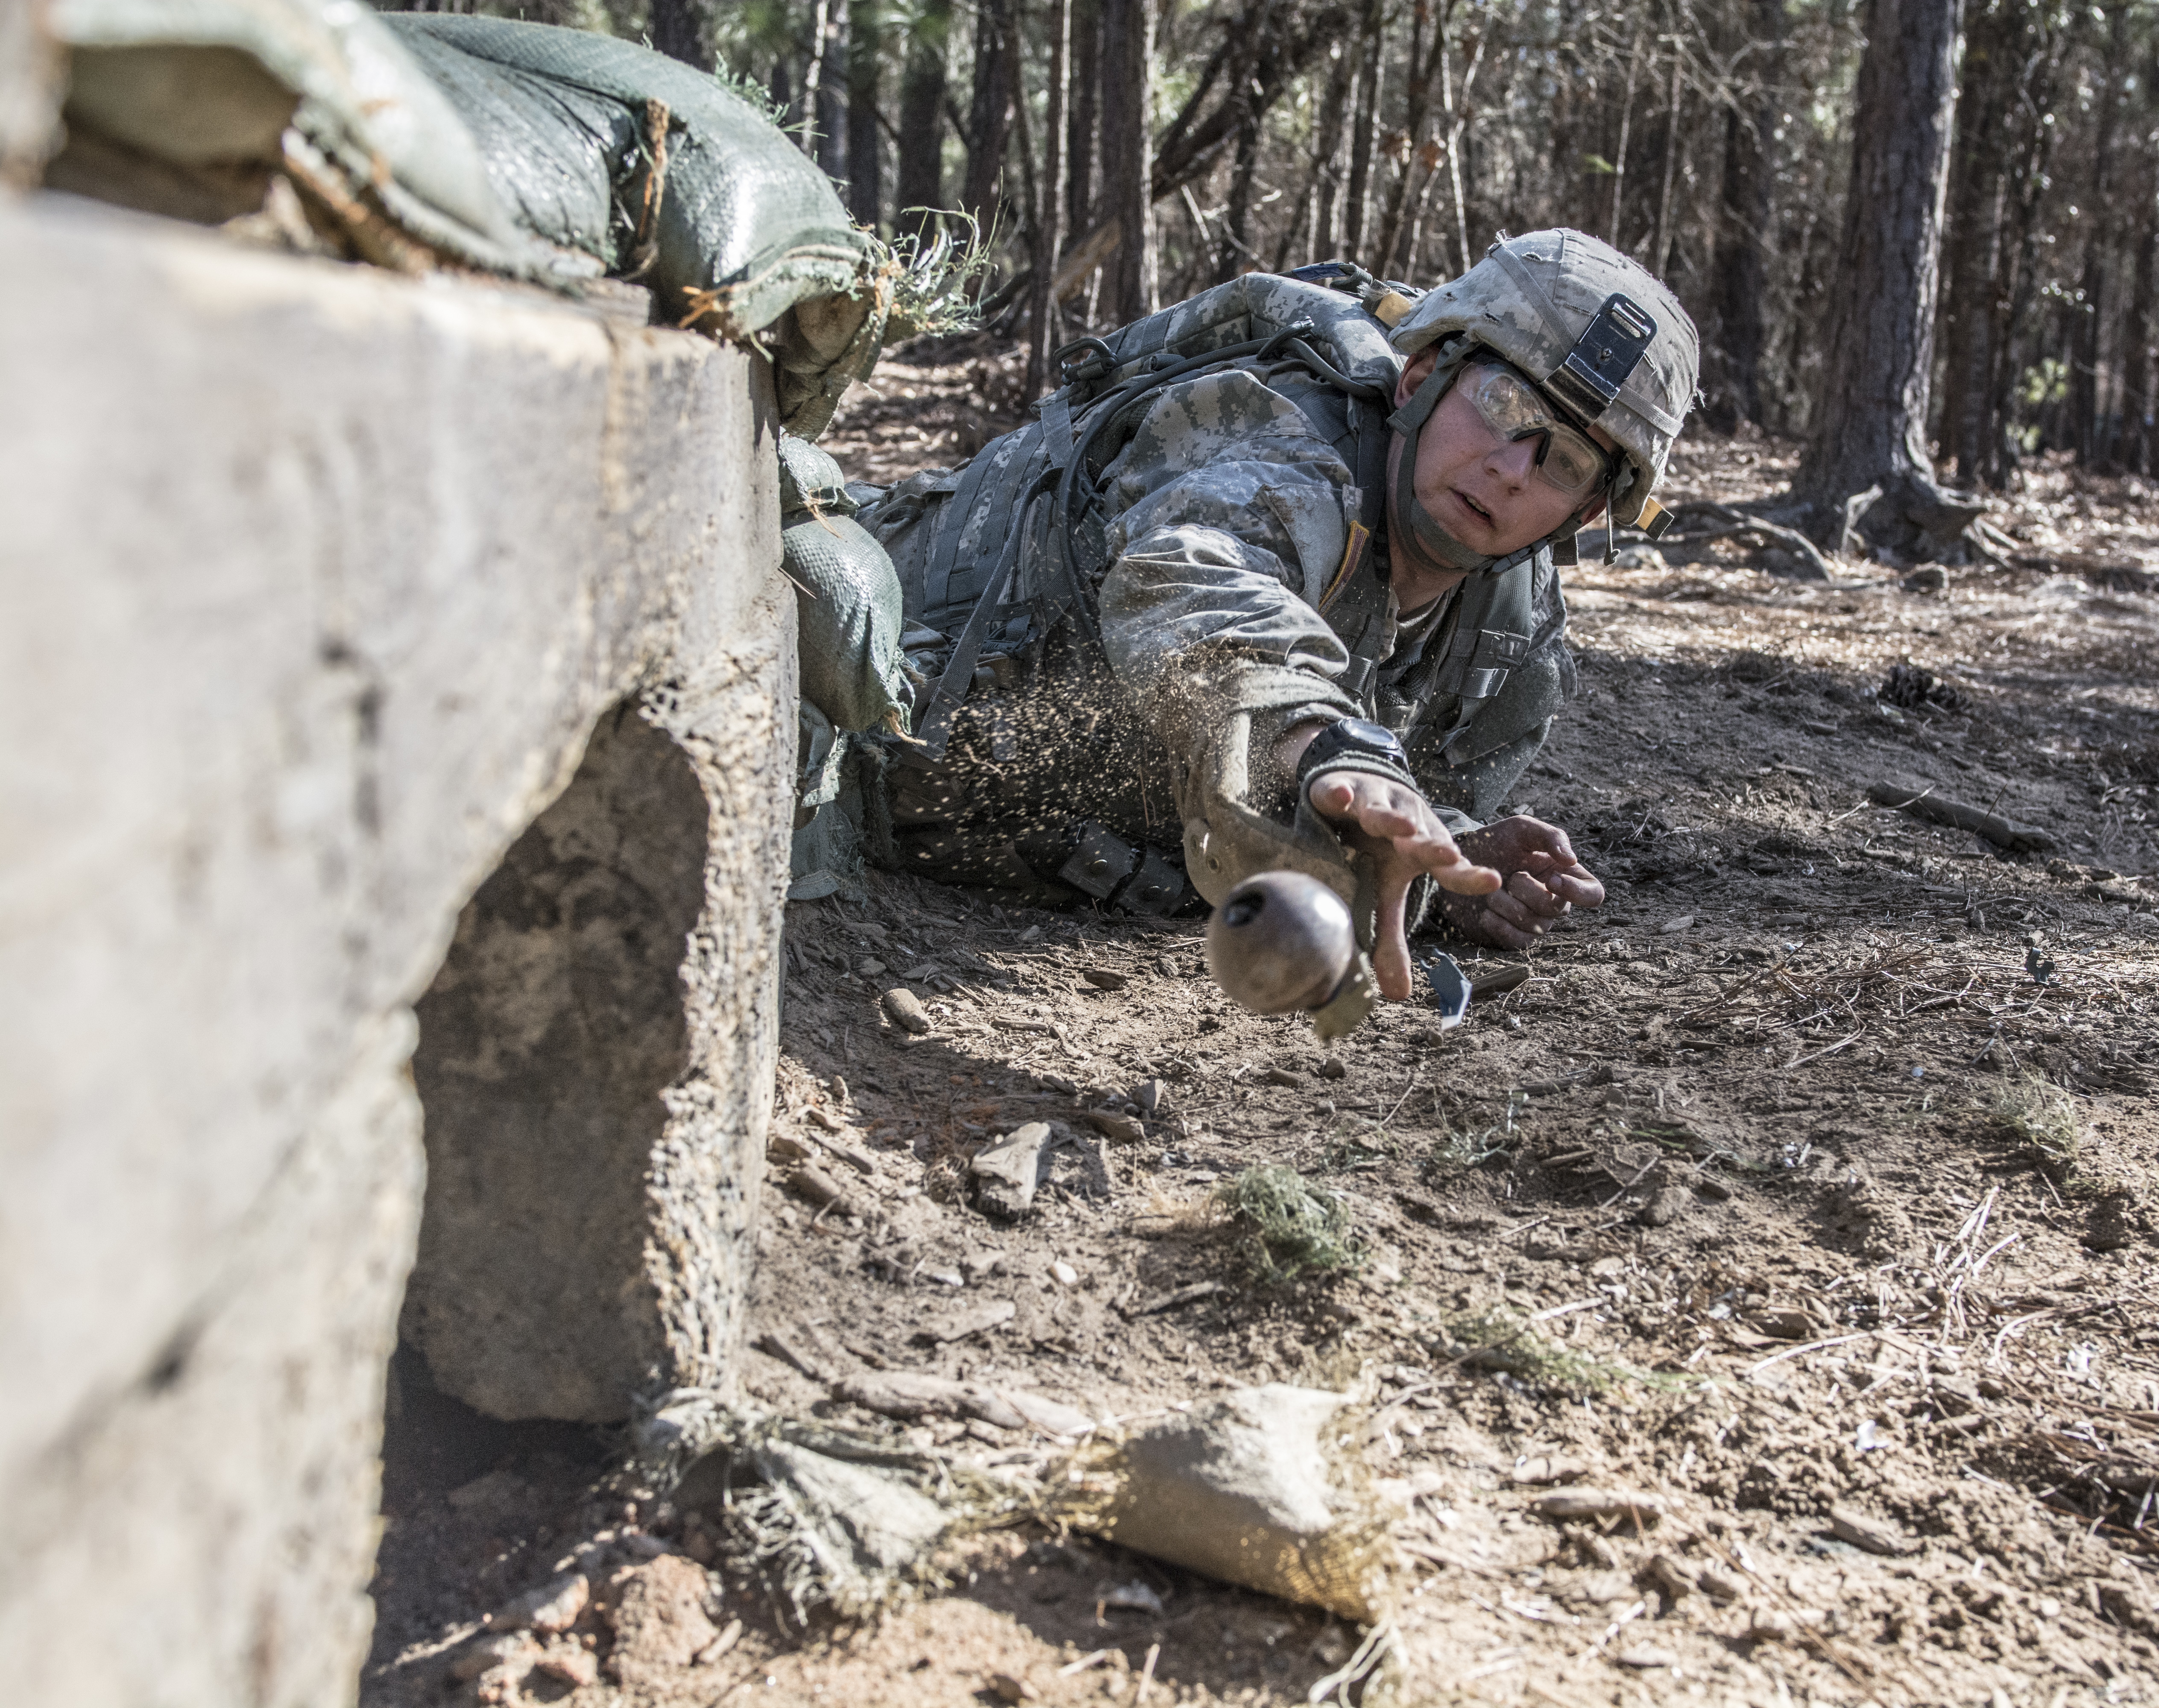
[[1231, 514]]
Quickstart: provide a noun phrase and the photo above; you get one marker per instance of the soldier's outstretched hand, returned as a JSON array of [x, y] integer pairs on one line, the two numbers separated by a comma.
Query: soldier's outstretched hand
[[1543, 881], [1397, 827]]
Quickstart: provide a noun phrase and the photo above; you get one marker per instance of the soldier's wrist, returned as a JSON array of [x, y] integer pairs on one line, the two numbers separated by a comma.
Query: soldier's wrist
[[1353, 744]]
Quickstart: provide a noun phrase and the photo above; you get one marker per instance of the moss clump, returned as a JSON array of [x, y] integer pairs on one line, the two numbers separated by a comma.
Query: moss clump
[[1289, 1229]]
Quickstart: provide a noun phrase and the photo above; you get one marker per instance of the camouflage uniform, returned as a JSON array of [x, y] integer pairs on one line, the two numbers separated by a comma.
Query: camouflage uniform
[[1124, 604], [1230, 584]]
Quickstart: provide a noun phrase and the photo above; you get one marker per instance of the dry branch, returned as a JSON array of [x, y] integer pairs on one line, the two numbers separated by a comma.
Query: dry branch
[[1924, 803]]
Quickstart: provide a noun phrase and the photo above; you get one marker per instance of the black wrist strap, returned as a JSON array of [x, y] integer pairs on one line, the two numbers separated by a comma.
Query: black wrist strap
[[1354, 744]]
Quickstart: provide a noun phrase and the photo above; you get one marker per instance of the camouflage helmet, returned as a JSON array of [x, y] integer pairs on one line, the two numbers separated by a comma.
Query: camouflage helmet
[[1531, 299]]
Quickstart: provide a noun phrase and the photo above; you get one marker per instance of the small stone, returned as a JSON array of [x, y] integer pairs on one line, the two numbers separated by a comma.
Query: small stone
[[1283, 1076], [1582, 1503], [1544, 1469], [1666, 1207], [1007, 1688], [1333, 1068], [1645, 1658], [1720, 1585], [1710, 1190], [553, 1607], [1103, 979], [1677, 925], [1606, 1268], [1776, 1622], [871, 968], [978, 1321], [1063, 1274], [659, 1618], [814, 1186], [574, 1666], [1113, 1126], [1850, 1524], [1672, 1574], [1005, 1176], [516, 1650], [1153, 1098], [1790, 1324], [906, 1010]]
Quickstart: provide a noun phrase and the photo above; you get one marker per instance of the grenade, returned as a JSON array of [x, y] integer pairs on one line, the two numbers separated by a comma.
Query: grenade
[[1280, 942]]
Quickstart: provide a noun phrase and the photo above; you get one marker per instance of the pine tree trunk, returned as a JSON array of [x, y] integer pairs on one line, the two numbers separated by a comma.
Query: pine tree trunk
[[920, 176], [1127, 164], [1731, 353], [2039, 53], [865, 61], [832, 94], [990, 110], [2140, 367], [1972, 272], [1364, 136], [1236, 251], [1080, 139], [1870, 427], [678, 31], [1050, 225], [2086, 392]]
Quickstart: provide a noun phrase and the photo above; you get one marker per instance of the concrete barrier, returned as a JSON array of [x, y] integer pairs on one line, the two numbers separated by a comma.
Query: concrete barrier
[[322, 590]]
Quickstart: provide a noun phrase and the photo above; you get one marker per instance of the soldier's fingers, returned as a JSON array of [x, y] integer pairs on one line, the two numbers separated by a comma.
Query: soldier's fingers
[[1534, 896], [1390, 948], [1463, 877], [1514, 912], [1578, 885], [1501, 933]]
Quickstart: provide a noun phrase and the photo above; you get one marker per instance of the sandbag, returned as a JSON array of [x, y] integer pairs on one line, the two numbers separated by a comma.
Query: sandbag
[[847, 596], [316, 89], [747, 237]]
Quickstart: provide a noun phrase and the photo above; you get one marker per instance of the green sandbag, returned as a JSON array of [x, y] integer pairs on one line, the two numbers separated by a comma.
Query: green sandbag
[[847, 595], [747, 226]]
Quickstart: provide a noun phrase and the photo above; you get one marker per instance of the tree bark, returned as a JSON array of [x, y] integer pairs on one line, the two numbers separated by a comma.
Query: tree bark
[[2086, 391], [678, 31], [1049, 223], [1731, 353], [920, 186], [990, 110], [1079, 140], [2140, 368], [833, 64], [1127, 57], [2043, 44], [1971, 307], [1364, 135], [1870, 429], [865, 62]]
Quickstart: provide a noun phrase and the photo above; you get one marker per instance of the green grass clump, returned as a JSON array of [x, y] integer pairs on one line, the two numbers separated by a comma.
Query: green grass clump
[[2040, 1119], [1500, 1340], [1289, 1229]]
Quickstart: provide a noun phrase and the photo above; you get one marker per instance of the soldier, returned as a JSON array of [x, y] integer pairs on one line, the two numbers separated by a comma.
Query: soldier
[[1271, 582]]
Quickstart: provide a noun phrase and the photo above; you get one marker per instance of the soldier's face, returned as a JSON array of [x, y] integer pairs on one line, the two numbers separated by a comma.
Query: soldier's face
[[1481, 488]]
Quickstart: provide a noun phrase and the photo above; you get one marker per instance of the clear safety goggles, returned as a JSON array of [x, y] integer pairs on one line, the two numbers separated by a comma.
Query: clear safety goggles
[[1514, 408]]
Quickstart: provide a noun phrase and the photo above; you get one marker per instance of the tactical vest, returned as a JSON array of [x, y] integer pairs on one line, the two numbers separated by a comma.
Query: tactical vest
[[1020, 546]]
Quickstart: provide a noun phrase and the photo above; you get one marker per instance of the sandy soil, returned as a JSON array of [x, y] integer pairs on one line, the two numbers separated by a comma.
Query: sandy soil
[[1780, 1187]]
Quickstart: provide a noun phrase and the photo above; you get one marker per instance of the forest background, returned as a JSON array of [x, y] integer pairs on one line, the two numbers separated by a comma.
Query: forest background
[[1117, 155]]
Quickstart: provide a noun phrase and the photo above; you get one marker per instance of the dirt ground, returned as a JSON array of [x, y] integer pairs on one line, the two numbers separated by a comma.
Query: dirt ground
[[1809, 1190]]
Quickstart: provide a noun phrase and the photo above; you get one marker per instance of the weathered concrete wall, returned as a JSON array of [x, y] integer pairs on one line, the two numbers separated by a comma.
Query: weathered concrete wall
[[314, 584]]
